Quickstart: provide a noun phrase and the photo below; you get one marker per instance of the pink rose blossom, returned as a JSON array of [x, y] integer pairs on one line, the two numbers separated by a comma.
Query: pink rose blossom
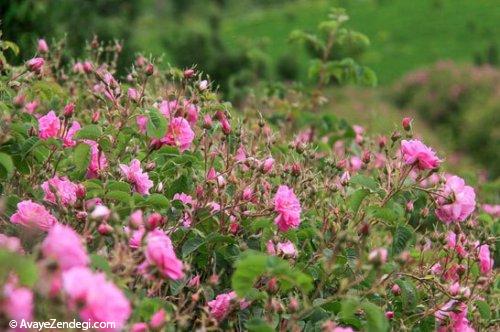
[[158, 319], [167, 108], [98, 160], [97, 299], [288, 208], [35, 65], [137, 177], [11, 243], [48, 126], [31, 107], [455, 244], [416, 153], [42, 46], [68, 138], [493, 210], [60, 190], [221, 305], [179, 134], [485, 261], [65, 246], [456, 201], [135, 239], [133, 94], [453, 314], [160, 253], [33, 215], [286, 249], [17, 302]]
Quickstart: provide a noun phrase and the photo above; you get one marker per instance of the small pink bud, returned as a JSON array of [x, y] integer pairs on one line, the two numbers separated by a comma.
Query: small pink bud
[[133, 94], [19, 100], [293, 306], [366, 157], [154, 220], [104, 229], [188, 73], [214, 279], [95, 116], [80, 191], [272, 285], [396, 290], [194, 282], [389, 314], [69, 109], [409, 206], [203, 85], [81, 215], [267, 165], [407, 123], [207, 122], [382, 141], [150, 69], [42, 46], [88, 67], [158, 319], [247, 194], [139, 327], [140, 61]]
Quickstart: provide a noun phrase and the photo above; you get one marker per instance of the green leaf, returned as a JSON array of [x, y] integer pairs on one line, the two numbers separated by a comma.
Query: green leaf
[[92, 132], [357, 198], [258, 325], [191, 245], [484, 310], [409, 294], [6, 165], [24, 267], [81, 157], [375, 318], [253, 264], [118, 186], [401, 237], [365, 181], [119, 196], [157, 200], [99, 262], [157, 124]]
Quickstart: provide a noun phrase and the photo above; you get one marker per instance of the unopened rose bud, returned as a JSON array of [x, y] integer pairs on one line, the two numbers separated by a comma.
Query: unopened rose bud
[[35, 65], [395, 136], [19, 100], [188, 73], [87, 67], [203, 85], [80, 191], [100, 212], [140, 61], [95, 42], [396, 290], [104, 229], [267, 165], [154, 220], [150, 166], [81, 215], [293, 306], [42, 46], [207, 122], [409, 206], [389, 314], [194, 282], [95, 116], [150, 69], [272, 285], [366, 157], [378, 256], [424, 212], [407, 123], [155, 144], [364, 229], [133, 94], [296, 169], [158, 319], [69, 109], [276, 306], [382, 141], [213, 280]]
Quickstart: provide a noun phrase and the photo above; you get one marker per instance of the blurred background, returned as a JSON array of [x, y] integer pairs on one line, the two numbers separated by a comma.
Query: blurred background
[[435, 60]]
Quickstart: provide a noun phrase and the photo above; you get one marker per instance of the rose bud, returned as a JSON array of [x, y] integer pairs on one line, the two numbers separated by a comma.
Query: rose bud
[[207, 122], [293, 306], [407, 123], [203, 85], [35, 64], [272, 285], [42, 46], [389, 314], [133, 94], [87, 67], [80, 191], [194, 282], [395, 136], [95, 117], [267, 165], [366, 157], [158, 319], [382, 141], [150, 69], [396, 290], [19, 100], [154, 220], [409, 206], [213, 280], [188, 73], [69, 109], [104, 229], [140, 61]]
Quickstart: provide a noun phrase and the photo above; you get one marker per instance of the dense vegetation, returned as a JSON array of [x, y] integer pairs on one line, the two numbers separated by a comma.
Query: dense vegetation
[[149, 202]]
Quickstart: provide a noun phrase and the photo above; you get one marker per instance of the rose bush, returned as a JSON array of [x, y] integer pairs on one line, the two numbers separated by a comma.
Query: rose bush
[[149, 202]]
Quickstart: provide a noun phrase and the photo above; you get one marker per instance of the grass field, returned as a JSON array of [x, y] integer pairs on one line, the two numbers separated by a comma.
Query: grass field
[[404, 34]]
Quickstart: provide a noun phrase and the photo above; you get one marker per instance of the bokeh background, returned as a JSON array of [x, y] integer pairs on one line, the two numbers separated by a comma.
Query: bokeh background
[[435, 60]]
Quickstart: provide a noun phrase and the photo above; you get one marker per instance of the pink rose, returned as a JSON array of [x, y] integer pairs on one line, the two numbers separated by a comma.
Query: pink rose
[[456, 201], [179, 134], [416, 153], [33, 215], [485, 261], [98, 160], [65, 246], [35, 64], [137, 177], [288, 208], [11, 243], [68, 138], [221, 305], [160, 253], [17, 302], [60, 190], [97, 299], [48, 126], [286, 249]]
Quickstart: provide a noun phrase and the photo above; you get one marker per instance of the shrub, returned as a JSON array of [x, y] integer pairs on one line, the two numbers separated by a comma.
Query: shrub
[[149, 202]]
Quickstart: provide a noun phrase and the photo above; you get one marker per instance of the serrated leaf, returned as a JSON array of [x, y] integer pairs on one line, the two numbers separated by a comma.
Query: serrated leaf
[[81, 157], [409, 294], [357, 198], [484, 310], [92, 132], [157, 124], [258, 325], [6, 165], [375, 318], [402, 235], [157, 200]]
